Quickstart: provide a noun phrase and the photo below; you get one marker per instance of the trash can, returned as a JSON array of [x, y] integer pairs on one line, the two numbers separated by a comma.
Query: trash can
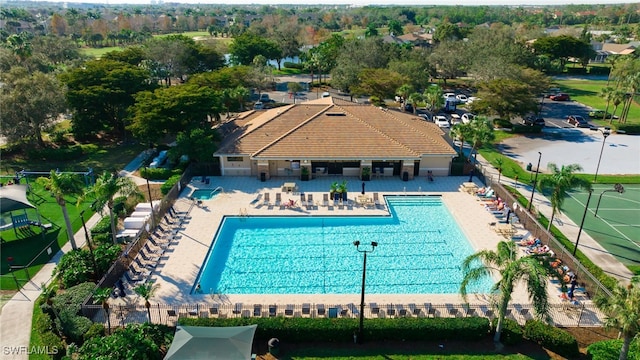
[[274, 346], [263, 177], [405, 176]]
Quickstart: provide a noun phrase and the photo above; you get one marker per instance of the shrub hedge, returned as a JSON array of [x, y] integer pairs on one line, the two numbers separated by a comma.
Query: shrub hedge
[[166, 187], [158, 173], [610, 350], [521, 129], [135, 341], [67, 306], [629, 129], [511, 331], [44, 331], [502, 123], [64, 153], [292, 65], [599, 70], [557, 340], [102, 227], [300, 330]]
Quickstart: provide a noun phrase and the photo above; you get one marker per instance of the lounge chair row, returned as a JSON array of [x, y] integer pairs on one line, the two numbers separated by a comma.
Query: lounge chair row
[[307, 200]]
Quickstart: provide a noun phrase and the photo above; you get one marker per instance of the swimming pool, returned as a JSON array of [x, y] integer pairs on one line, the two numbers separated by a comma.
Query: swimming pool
[[204, 194], [420, 250]]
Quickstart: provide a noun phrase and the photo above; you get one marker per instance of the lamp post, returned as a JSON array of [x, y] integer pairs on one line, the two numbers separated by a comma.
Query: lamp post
[[605, 133], [86, 236], [535, 181], [364, 276], [617, 187], [584, 215]]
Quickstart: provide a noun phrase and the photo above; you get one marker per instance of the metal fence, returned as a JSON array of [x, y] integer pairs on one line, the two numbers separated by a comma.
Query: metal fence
[[565, 315], [530, 222]]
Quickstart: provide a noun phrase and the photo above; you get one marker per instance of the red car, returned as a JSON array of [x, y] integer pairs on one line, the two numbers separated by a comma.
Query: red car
[[560, 97]]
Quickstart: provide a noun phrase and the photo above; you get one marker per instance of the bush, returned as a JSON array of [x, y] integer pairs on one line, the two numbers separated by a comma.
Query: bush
[[64, 153], [102, 239], [67, 306], [106, 255], [119, 206], [629, 129], [53, 344], [300, 330], [102, 227], [133, 342], [158, 173], [502, 123], [552, 338], [610, 350], [599, 70], [376, 101], [166, 187], [511, 331], [75, 267], [96, 330], [292, 65]]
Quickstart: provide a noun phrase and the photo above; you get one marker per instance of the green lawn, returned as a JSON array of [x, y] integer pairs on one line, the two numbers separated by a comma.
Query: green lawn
[[586, 92]]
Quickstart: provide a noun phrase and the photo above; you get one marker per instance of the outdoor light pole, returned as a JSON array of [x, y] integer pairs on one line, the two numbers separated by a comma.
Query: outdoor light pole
[[584, 215], [617, 187], [605, 133], [86, 236], [364, 276], [535, 181]]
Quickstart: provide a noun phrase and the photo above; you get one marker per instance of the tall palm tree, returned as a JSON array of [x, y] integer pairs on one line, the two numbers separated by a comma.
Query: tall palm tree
[[481, 133], [461, 132], [607, 94], [559, 182], [61, 185], [413, 99], [500, 164], [241, 95], [623, 312], [504, 261], [106, 188], [101, 295], [147, 291], [433, 96]]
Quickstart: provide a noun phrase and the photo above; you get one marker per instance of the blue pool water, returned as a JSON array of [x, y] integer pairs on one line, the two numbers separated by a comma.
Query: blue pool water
[[204, 194], [420, 250]]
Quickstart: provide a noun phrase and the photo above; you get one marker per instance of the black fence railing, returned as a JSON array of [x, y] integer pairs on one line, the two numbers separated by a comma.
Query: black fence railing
[[566, 314]]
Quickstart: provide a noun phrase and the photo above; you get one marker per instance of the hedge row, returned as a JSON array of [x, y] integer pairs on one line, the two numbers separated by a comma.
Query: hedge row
[[557, 340], [511, 331], [159, 173], [65, 153], [522, 129], [629, 129], [166, 187], [292, 65], [302, 330], [610, 350]]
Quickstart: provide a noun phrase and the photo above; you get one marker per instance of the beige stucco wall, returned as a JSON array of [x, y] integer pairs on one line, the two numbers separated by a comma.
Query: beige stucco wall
[[235, 168], [439, 165]]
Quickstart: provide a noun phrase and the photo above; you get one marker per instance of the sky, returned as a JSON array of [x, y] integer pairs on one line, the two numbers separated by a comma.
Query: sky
[[368, 2]]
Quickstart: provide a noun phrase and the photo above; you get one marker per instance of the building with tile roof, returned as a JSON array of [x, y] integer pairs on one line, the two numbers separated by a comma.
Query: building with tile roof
[[330, 136]]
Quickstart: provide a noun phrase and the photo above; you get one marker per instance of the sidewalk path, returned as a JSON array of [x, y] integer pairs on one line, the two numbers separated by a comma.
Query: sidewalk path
[[16, 314], [591, 248]]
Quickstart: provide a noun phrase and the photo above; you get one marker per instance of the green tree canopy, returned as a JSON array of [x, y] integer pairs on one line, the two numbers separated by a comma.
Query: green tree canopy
[[379, 82], [100, 94], [247, 46], [563, 47], [505, 98]]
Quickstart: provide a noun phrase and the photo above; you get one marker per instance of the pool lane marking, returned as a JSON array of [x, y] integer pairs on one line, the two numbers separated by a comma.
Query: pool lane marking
[[608, 224]]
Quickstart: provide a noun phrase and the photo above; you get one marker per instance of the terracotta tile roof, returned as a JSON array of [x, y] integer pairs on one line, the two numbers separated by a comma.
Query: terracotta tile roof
[[330, 128]]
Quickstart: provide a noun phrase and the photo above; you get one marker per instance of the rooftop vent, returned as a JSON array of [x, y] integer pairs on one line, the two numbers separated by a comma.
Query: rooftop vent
[[336, 114]]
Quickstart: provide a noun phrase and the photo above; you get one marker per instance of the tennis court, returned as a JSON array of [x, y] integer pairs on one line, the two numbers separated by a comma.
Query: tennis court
[[617, 224]]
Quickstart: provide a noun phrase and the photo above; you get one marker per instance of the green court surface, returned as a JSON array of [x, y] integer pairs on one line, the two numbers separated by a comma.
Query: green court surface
[[617, 224]]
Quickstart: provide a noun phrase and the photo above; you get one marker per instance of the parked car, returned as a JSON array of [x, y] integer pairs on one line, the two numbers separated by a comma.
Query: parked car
[[408, 107], [450, 97], [462, 98], [533, 120], [600, 114], [264, 98], [258, 106], [441, 121], [577, 121], [425, 116], [560, 97], [455, 119], [471, 99], [553, 91], [467, 117]]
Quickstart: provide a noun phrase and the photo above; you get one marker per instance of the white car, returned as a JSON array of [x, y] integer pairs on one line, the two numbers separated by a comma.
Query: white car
[[462, 98], [467, 117], [455, 119], [449, 96], [441, 121]]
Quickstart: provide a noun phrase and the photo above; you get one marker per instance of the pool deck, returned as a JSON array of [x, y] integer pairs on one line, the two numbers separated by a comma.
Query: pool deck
[[178, 269]]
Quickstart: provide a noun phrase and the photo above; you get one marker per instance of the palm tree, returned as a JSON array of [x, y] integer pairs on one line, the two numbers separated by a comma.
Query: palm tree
[[414, 99], [101, 295], [461, 132], [500, 163], [147, 291], [404, 91], [623, 312], [241, 94], [106, 188], [481, 133], [560, 181], [433, 97], [61, 185], [607, 94], [512, 270]]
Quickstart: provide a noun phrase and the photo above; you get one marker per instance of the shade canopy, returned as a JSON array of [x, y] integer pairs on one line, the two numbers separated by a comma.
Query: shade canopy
[[14, 197], [199, 342]]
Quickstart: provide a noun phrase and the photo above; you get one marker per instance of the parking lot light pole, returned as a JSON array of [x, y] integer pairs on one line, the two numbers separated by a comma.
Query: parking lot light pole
[[535, 181], [605, 133], [584, 215], [364, 276]]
